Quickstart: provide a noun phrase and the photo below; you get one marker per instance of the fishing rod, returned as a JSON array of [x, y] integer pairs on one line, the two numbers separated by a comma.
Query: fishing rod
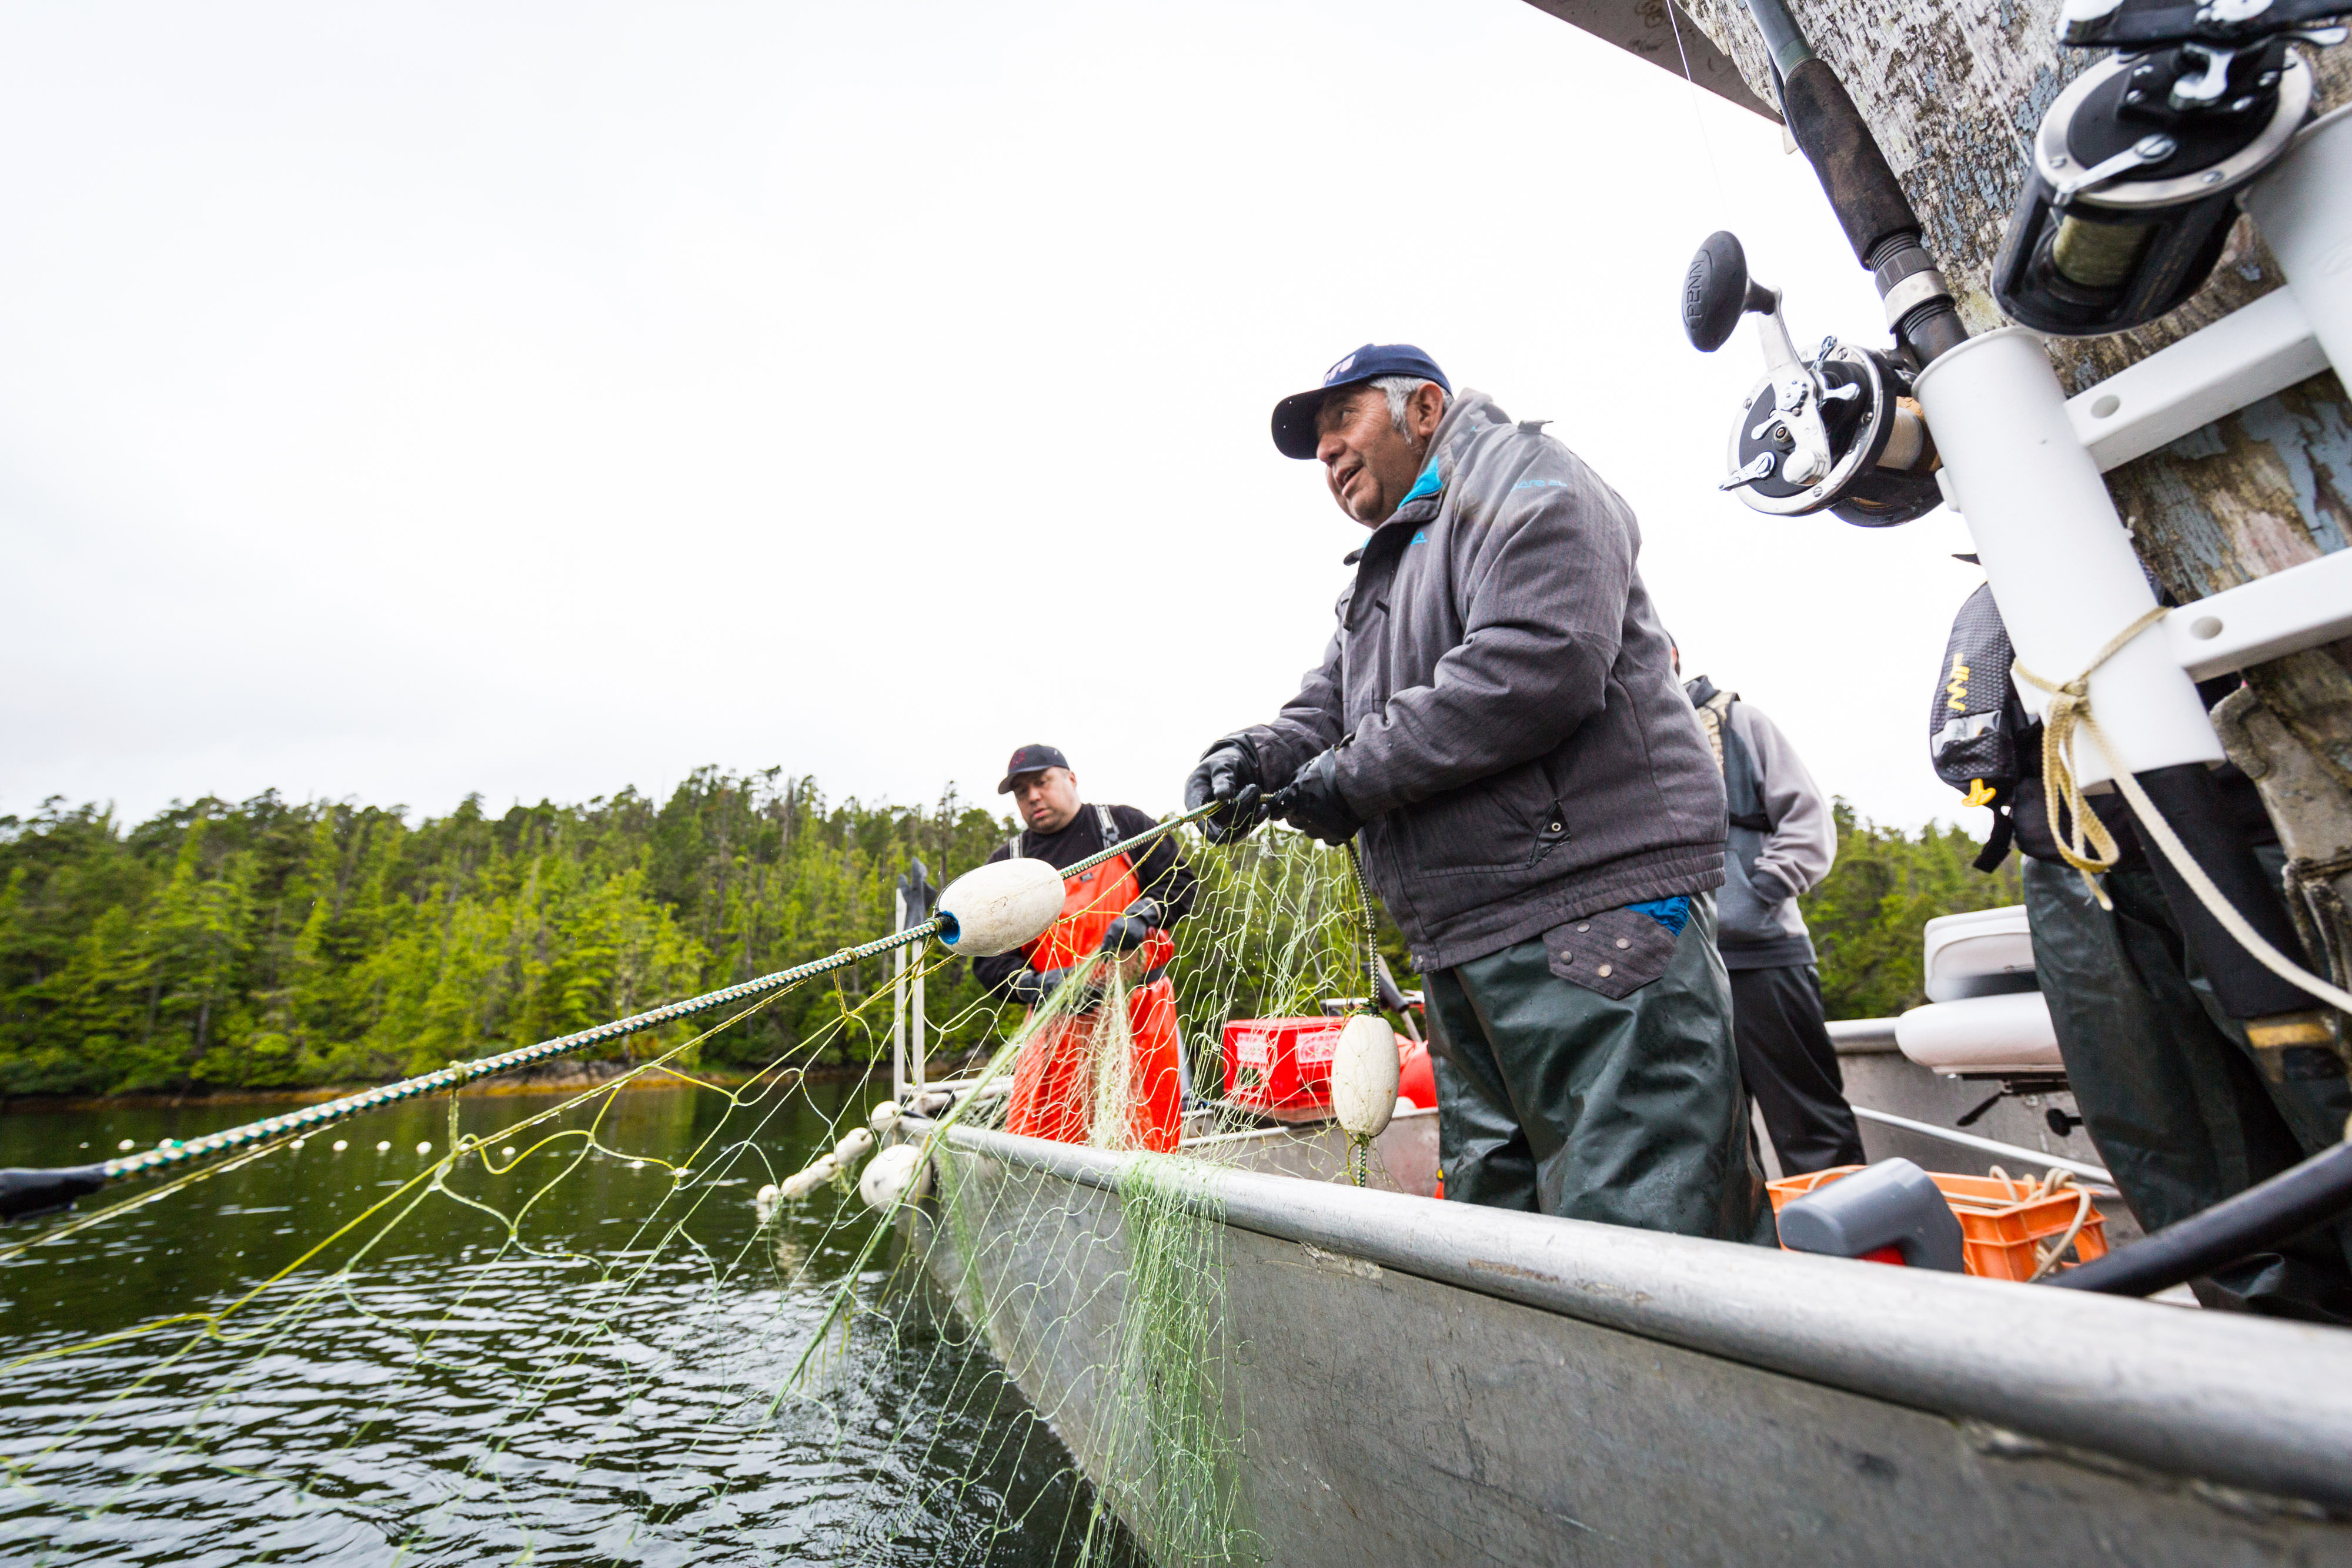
[[992, 909], [2135, 175]]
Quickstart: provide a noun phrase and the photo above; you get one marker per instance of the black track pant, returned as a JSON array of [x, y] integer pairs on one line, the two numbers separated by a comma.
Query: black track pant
[[1788, 1065]]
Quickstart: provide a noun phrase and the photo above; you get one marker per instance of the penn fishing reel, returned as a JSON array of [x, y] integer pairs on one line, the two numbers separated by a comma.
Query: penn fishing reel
[[1837, 432], [2138, 166]]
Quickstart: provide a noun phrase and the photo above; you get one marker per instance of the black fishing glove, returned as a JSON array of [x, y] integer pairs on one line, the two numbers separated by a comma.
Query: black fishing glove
[[1031, 988], [1229, 774], [1311, 802], [1134, 926]]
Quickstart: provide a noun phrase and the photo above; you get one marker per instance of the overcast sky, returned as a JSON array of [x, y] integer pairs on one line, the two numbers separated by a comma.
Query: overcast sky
[[401, 401]]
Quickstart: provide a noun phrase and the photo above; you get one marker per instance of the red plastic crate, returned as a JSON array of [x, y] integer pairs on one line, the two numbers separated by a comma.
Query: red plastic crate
[[1281, 1065]]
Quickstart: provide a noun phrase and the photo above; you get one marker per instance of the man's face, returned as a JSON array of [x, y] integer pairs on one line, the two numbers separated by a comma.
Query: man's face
[[1368, 462], [1048, 798]]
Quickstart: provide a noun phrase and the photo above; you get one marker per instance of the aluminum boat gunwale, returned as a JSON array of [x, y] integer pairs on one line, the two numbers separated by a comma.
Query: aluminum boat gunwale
[[2243, 1403]]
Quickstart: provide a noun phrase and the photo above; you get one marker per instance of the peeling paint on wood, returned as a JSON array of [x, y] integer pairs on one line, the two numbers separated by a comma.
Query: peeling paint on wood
[[2267, 488]]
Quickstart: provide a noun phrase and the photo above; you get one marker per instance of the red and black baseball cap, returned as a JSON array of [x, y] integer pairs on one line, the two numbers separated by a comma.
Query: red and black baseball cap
[[1030, 760], [1293, 417]]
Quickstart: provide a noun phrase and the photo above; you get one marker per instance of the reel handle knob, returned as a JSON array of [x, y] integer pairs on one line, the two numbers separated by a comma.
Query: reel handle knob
[[1717, 291]]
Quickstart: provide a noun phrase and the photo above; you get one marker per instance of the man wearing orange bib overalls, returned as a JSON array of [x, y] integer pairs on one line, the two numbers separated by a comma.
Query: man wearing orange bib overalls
[[1122, 909]]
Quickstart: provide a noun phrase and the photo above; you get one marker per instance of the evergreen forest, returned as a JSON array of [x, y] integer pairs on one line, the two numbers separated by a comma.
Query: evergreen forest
[[269, 944]]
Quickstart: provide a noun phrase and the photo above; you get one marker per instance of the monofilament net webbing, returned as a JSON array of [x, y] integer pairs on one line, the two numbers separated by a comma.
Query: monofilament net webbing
[[516, 1326]]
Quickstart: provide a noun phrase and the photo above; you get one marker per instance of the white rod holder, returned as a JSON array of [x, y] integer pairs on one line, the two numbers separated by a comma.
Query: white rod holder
[[2061, 565], [2290, 609], [2304, 208], [2247, 355]]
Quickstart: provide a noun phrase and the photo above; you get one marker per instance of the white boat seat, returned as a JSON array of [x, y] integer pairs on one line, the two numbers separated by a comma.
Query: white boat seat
[[1981, 952], [1995, 1035]]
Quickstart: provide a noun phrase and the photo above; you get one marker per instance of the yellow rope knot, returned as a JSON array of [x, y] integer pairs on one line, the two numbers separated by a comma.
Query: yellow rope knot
[[2089, 848]]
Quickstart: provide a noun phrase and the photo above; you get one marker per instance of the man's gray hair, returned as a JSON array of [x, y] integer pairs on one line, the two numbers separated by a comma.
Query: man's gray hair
[[1400, 388]]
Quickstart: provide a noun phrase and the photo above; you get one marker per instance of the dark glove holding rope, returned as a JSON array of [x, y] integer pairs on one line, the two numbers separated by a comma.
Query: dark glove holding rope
[[1134, 926], [1228, 773], [1311, 802], [1031, 988]]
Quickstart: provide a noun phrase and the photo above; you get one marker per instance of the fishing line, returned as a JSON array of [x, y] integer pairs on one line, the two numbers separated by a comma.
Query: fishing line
[[1698, 118]]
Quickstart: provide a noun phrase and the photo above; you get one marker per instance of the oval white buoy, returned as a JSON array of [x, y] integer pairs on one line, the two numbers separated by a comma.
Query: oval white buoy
[[801, 1183], [899, 1174], [855, 1147], [341, 1145], [1364, 1076], [883, 1117], [994, 908]]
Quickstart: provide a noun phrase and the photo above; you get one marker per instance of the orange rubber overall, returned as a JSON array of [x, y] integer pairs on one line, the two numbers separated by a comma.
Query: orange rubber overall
[[1053, 1083]]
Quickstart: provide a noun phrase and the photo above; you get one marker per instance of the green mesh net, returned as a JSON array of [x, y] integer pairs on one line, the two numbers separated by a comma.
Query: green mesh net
[[608, 1325]]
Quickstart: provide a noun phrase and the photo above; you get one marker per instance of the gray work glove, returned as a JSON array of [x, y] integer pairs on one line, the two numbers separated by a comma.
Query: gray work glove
[[1228, 774], [1031, 988], [1134, 926], [1311, 802]]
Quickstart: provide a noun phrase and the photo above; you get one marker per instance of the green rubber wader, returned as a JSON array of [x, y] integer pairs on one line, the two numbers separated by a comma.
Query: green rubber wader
[[1555, 1098], [2169, 1089]]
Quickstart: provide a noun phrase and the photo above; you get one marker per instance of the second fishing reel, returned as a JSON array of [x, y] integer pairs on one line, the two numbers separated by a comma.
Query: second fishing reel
[[1836, 433], [2137, 167]]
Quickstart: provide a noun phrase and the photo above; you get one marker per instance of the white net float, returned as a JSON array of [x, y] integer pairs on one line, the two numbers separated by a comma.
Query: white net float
[[801, 1183], [996, 907], [898, 1174], [1364, 1076]]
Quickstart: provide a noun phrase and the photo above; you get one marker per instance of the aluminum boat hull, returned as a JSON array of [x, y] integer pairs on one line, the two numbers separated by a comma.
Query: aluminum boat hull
[[1414, 1382]]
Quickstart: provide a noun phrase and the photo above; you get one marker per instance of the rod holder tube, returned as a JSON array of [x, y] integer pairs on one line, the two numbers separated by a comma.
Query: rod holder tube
[[2304, 208], [2061, 564]]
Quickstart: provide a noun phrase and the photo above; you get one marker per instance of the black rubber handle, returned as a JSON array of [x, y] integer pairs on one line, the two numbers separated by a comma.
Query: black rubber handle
[[1717, 291], [2290, 1203], [1863, 191]]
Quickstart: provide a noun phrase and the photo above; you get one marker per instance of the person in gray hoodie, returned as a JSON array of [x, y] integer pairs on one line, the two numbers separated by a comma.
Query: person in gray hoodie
[[1783, 841], [1496, 729]]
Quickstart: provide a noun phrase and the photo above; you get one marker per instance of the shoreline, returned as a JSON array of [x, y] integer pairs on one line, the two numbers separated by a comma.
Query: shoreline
[[564, 1078]]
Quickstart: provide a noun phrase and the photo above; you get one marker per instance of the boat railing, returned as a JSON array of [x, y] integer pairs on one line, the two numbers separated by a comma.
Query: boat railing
[[2248, 1403]]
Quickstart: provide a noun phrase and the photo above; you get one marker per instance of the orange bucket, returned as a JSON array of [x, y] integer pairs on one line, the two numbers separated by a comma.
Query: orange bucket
[[2004, 1225]]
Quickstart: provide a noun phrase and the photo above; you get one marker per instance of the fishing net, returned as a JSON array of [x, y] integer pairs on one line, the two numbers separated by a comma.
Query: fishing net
[[626, 1321]]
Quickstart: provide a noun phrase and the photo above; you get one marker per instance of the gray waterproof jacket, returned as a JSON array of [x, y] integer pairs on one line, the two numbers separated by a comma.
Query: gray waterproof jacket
[[1783, 836], [1504, 703]]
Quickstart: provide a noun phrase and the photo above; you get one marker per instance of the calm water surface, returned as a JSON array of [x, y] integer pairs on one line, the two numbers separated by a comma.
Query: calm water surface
[[596, 1385]]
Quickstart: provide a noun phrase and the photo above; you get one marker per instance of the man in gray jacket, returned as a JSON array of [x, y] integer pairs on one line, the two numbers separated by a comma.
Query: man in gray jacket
[[1497, 724], [1784, 840]]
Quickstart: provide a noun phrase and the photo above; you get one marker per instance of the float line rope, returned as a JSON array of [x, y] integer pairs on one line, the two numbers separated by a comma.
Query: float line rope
[[173, 1151]]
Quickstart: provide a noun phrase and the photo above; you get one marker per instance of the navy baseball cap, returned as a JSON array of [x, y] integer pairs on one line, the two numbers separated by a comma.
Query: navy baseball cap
[[1030, 760], [1293, 417]]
